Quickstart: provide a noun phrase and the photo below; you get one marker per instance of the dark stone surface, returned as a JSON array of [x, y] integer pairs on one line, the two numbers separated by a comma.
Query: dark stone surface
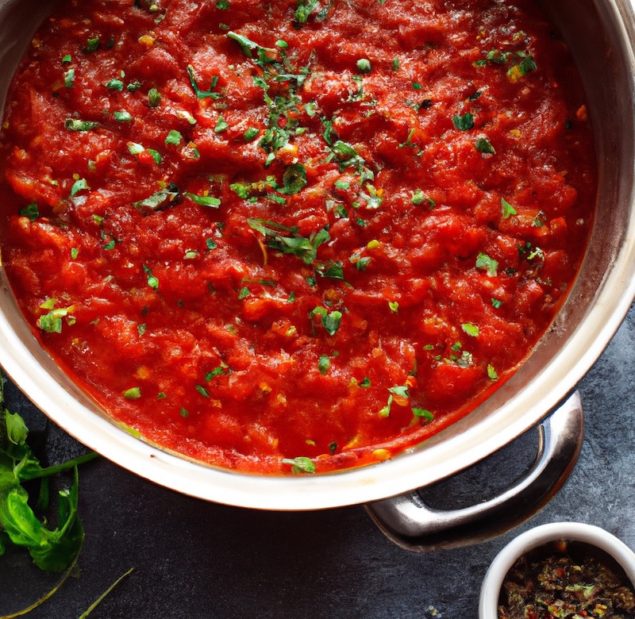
[[193, 559]]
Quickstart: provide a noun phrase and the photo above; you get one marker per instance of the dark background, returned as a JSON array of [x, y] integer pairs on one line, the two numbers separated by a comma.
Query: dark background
[[194, 559]]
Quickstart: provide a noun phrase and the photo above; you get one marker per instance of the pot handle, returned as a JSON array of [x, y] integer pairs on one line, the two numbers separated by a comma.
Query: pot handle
[[411, 524]]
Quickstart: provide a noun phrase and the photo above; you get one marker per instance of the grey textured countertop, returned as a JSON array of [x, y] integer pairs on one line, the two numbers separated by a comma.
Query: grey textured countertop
[[193, 559]]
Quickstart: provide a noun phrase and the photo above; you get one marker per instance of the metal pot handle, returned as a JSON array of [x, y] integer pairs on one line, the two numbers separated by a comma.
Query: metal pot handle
[[411, 524]]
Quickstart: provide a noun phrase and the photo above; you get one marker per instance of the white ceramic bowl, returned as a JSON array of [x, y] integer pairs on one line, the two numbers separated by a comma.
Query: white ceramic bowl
[[539, 536]]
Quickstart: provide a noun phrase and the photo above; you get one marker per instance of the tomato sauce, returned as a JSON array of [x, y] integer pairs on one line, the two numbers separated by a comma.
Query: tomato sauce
[[296, 235]]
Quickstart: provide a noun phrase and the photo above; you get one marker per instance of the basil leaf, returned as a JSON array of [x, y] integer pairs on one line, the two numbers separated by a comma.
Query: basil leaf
[[16, 428]]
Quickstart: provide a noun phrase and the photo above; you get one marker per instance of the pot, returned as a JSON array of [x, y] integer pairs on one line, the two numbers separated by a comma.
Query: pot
[[600, 34]]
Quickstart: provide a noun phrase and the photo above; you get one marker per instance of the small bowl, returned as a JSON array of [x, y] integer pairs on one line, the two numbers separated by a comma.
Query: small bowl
[[539, 536]]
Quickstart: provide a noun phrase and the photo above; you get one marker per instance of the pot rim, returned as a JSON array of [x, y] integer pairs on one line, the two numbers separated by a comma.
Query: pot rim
[[539, 536], [431, 462]]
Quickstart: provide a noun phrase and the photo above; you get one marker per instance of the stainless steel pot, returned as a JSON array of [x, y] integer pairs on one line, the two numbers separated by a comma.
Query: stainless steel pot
[[601, 34]]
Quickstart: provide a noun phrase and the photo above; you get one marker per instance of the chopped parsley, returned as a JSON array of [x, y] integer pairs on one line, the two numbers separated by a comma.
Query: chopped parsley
[[69, 78], [483, 145], [221, 125], [330, 320], [202, 94], [154, 97], [174, 137], [507, 209], [92, 44], [463, 122], [363, 65], [526, 65], [122, 116], [423, 413], [304, 10], [529, 252], [202, 391], [155, 155], [418, 197], [324, 364], [218, 371], [398, 391], [485, 263], [79, 185], [51, 322], [332, 270], [294, 179], [300, 464], [208, 201], [74, 124], [134, 393], [153, 282], [114, 84], [471, 329], [31, 211], [250, 134], [300, 246], [163, 198]]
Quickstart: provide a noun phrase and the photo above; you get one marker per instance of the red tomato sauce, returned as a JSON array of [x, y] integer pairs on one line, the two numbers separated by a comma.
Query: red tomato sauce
[[294, 235]]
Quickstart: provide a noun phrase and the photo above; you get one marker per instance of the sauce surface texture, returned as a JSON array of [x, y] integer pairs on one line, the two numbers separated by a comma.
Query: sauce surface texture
[[294, 236]]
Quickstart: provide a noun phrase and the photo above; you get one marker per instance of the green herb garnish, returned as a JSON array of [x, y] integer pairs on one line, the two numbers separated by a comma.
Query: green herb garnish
[[363, 65], [463, 122], [294, 179], [134, 393], [485, 263], [31, 211], [507, 209], [423, 413], [324, 364], [208, 201], [300, 464], [174, 137], [302, 247], [74, 124], [202, 94], [122, 116], [154, 97], [483, 145]]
